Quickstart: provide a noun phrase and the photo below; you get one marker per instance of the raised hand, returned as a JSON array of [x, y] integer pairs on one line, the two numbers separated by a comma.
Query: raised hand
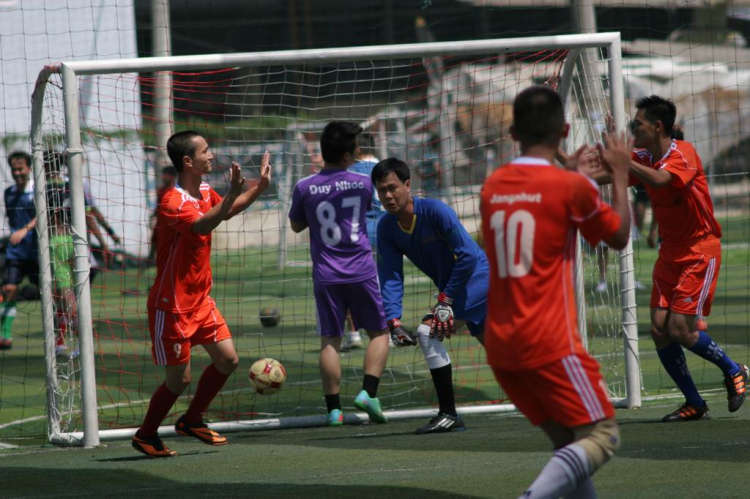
[[609, 124], [236, 180], [615, 153], [265, 172], [585, 160]]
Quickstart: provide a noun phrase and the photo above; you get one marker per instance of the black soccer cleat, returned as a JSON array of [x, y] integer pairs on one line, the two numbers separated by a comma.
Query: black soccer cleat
[[736, 388], [442, 423], [687, 412]]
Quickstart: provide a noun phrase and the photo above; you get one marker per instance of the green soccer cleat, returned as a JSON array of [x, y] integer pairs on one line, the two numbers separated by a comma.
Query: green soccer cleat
[[335, 418], [371, 406]]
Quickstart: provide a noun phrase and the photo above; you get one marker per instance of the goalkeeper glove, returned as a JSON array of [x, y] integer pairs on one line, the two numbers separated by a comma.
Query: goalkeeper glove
[[442, 318], [401, 336]]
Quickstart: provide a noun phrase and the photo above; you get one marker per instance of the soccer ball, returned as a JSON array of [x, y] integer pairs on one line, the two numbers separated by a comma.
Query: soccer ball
[[267, 376], [269, 316]]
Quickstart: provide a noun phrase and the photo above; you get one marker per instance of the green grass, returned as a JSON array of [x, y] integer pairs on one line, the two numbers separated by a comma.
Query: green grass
[[498, 456]]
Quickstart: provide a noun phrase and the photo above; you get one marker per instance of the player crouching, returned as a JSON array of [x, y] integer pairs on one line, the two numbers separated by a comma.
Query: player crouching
[[429, 233]]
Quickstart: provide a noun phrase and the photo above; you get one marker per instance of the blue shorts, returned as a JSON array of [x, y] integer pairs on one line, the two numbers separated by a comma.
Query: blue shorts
[[474, 318], [16, 270], [362, 299]]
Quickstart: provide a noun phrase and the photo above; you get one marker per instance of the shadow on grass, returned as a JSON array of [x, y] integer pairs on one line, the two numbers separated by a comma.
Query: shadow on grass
[[35, 482], [483, 435]]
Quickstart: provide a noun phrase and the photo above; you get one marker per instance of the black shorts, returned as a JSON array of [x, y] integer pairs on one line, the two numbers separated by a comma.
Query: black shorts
[[16, 270], [640, 194]]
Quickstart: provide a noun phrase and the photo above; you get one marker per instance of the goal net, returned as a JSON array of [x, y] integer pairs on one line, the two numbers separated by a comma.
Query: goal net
[[445, 109]]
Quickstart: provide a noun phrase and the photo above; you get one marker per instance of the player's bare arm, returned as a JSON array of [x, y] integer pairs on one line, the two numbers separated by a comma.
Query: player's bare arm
[[101, 220], [298, 227], [249, 196], [20, 234], [615, 156], [649, 176], [219, 213], [93, 227]]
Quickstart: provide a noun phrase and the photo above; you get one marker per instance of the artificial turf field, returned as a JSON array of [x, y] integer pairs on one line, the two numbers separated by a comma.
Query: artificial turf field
[[497, 457]]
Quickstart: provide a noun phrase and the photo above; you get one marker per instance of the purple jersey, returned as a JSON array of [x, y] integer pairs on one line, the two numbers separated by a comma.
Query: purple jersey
[[334, 203]]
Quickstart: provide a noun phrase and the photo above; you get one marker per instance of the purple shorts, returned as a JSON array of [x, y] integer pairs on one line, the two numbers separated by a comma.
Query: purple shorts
[[362, 299]]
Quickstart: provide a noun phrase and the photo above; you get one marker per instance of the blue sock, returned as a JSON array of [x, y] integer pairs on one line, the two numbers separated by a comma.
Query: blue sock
[[673, 359], [707, 348]]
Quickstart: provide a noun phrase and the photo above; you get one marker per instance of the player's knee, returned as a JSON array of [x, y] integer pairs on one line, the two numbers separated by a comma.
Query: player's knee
[[659, 322], [228, 364], [435, 354], [659, 336], [180, 384], [678, 332], [378, 334], [600, 441]]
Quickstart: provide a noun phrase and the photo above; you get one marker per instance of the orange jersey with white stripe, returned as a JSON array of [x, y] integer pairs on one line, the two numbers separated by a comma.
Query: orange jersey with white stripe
[[183, 258], [530, 213], [682, 208]]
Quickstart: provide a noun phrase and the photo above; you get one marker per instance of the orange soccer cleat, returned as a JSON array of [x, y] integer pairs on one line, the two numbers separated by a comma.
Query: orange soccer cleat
[[200, 431], [151, 446]]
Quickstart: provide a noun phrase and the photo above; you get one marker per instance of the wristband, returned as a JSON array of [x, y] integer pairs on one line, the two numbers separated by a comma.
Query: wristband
[[443, 298]]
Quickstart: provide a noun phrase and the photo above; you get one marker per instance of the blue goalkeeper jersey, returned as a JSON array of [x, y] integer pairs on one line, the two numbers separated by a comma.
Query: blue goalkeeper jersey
[[440, 247]]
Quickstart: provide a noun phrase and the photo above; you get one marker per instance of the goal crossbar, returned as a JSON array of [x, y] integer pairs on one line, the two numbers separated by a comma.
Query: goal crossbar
[[370, 53]]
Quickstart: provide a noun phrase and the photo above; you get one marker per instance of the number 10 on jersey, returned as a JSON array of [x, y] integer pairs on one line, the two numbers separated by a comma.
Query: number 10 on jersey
[[514, 242]]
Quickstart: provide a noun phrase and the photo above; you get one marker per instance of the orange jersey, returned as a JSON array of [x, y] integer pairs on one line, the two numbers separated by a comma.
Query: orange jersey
[[183, 258], [530, 213], [683, 208]]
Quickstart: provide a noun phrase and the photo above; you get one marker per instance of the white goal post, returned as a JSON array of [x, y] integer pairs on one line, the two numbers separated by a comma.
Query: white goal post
[[70, 73]]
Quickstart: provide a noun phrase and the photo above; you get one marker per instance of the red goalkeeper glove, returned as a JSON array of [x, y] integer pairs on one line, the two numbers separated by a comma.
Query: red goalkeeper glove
[[401, 336], [442, 318]]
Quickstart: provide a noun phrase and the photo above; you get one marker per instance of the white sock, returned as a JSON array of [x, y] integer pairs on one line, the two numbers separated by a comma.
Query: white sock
[[434, 352], [584, 491], [354, 335], [564, 473]]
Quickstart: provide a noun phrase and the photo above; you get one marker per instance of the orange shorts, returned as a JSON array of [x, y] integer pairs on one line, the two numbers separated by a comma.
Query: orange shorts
[[686, 283], [172, 335], [569, 391]]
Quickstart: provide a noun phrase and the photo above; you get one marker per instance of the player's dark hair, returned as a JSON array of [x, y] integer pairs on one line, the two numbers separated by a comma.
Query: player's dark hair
[[337, 139], [169, 170], [53, 161], [677, 133], [19, 155], [382, 169], [538, 116], [657, 108], [180, 145]]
